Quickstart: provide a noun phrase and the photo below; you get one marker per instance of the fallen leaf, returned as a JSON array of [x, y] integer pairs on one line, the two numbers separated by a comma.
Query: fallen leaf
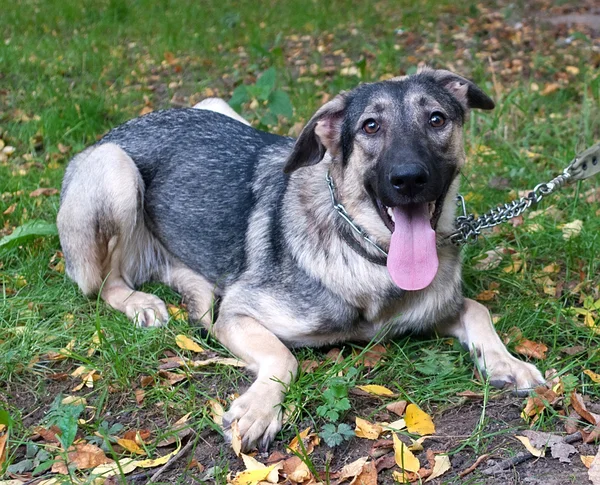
[[367, 430], [371, 357], [140, 394], [441, 466], [376, 390], [580, 407], [236, 438], [125, 466], [487, 295], [179, 431], [397, 425], [530, 448], [308, 366], [171, 377], [187, 343], [492, 260], [594, 471], [82, 456], [549, 89], [417, 445], [176, 313], [309, 441], [3, 446], [216, 411], [43, 191], [368, 475], [256, 472], [10, 210], [529, 348], [74, 400], [592, 375], [351, 470], [397, 407], [558, 448], [404, 457], [161, 460], [587, 460], [296, 470], [418, 421], [217, 360], [131, 446], [572, 229]]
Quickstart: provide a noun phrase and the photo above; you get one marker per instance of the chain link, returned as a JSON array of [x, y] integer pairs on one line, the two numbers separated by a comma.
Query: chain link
[[469, 227]]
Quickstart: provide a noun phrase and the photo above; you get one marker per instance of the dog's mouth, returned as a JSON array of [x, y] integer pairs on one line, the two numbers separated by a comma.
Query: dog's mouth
[[412, 257]]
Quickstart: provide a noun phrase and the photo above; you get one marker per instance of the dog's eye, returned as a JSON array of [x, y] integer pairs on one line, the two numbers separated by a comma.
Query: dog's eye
[[437, 119], [370, 127]]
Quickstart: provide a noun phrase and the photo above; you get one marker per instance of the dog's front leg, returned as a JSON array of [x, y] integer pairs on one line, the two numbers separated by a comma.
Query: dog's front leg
[[475, 331], [257, 411]]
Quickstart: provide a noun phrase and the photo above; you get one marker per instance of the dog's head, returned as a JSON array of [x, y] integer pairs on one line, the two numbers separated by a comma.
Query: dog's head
[[398, 145]]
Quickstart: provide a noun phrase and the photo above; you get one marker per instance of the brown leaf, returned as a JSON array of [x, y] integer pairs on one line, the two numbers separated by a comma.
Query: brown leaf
[[470, 395], [171, 377], [10, 210], [43, 191], [549, 89], [83, 456], [140, 394], [372, 356], [309, 441], [368, 475], [385, 462], [533, 349], [380, 448], [579, 406], [308, 366], [367, 430], [397, 407], [3, 446]]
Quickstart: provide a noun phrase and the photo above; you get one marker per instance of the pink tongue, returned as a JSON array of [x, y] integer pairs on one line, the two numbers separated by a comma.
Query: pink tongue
[[412, 259]]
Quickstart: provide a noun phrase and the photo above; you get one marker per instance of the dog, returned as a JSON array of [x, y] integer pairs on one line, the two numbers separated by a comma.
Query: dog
[[335, 236]]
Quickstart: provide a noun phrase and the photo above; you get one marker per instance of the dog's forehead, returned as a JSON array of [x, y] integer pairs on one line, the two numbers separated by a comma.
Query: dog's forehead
[[398, 97]]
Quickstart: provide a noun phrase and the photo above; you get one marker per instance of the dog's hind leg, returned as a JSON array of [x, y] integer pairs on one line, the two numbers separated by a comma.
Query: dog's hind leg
[[107, 246], [198, 293], [475, 331], [219, 105]]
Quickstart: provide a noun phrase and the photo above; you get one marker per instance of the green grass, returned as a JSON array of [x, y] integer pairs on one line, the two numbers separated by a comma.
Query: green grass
[[69, 71]]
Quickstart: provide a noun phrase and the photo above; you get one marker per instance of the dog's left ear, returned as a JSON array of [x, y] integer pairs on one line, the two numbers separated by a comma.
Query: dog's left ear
[[467, 92], [322, 133]]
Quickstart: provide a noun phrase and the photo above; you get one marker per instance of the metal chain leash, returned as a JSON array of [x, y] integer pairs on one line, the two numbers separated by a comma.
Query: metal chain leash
[[469, 227]]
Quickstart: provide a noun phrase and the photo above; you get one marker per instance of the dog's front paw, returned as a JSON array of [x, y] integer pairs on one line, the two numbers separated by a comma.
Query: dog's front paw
[[506, 371], [258, 416], [146, 310]]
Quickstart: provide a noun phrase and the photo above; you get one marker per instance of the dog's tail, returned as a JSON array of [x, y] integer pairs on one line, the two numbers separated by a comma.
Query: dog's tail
[[100, 221]]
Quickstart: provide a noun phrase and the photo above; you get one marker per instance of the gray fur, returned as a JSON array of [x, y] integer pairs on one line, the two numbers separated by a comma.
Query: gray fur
[[200, 201]]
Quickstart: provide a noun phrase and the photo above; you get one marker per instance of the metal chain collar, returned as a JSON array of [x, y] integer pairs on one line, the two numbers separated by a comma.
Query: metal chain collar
[[469, 227]]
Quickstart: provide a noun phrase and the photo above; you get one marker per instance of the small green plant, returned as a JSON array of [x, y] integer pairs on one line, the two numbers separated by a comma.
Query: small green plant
[[336, 402], [106, 434], [37, 460], [65, 417], [263, 99]]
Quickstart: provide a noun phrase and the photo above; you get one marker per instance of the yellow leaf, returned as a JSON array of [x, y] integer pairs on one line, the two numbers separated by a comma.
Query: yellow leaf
[[572, 229], [587, 460], [125, 465], [74, 400], [157, 461], [364, 429], [131, 446], [187, 343], [592, 375], [3, 446], [216, 411], [404, 457], [295, 443], [236, 438], [177, 313], [252, 477], [376, 390], [397, 425], [418, 421], [530, 448], [417, 445], [441, 466]]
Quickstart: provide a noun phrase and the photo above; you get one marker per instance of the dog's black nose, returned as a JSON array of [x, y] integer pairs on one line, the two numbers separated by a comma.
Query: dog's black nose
[[410, 179]]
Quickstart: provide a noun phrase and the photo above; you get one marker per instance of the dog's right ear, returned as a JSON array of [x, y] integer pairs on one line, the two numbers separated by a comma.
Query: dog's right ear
[[321, 134]]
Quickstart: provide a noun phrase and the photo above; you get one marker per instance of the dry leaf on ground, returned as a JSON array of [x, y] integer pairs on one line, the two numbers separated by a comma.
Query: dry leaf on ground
[[530, 448], [187, 343], [82, 456], [441, 465], [404, 457], [236, 438], [365, 429], [131, 446], [592, 375], [397, 407], [309, 441], [418, 421], [594, 471], [572, 229], [376, 390], [529, 348]]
